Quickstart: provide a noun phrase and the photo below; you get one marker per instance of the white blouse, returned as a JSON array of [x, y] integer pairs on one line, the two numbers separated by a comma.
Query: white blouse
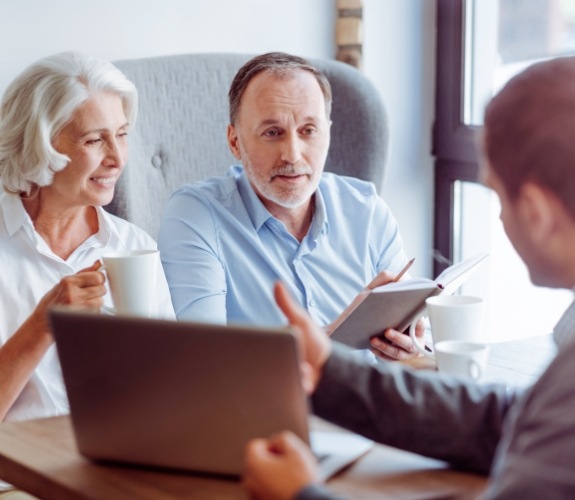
[[29, 269]]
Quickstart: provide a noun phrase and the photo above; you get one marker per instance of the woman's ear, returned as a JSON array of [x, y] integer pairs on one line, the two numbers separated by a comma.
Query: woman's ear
[[233, 141]]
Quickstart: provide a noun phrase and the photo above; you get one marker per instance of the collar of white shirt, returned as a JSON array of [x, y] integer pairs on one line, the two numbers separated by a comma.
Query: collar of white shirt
[[564, 330], [16, 218]]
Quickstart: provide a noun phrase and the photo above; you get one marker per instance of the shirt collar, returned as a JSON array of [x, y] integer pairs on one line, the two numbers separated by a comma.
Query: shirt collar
[[565, 329], [256, 210], [105, 228], [259, 214], [320, 220], [15, 215]]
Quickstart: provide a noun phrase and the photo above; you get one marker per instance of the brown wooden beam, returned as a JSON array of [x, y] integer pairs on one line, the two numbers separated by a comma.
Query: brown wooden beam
[[348, 32]]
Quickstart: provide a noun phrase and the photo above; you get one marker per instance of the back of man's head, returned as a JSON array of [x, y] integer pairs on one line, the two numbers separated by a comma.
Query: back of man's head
[[530, 130], [281, 65]]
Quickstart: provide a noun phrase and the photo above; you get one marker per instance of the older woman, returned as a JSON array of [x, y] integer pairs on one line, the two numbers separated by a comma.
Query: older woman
[[63, 144]]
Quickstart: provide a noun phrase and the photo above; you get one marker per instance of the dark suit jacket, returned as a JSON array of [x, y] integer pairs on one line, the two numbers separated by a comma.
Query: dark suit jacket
[[525, 441]]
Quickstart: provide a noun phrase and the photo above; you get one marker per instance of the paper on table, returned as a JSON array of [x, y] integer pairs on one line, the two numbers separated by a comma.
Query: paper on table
[[337, 450]]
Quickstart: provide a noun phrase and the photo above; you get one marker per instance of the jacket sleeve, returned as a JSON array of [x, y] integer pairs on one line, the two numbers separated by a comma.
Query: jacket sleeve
[[318, 492], [536, 458], [424, 412]]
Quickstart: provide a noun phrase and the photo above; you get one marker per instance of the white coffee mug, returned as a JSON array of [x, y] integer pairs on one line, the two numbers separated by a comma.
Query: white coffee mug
[[462, 358], [451, 317], [132, 277]]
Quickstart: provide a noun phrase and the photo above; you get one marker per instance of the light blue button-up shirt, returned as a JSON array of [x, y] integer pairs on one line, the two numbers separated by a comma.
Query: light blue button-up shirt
[[223, 251]]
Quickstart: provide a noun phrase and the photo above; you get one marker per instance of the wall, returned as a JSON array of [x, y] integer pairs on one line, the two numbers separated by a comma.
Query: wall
[[399, 57], [119, 29]]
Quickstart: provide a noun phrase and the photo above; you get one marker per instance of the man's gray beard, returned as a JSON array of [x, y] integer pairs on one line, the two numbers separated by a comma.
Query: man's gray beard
[[267, 190], [273, 195]]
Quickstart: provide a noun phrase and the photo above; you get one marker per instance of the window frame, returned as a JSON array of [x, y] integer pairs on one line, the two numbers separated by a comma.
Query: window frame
[[454, 142]]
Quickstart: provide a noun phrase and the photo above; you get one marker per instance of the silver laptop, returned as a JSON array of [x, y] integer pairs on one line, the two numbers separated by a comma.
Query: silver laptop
[[182, 395]]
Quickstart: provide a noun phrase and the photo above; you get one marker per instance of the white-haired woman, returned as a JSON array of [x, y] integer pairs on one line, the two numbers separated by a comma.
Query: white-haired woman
[[63, 144]]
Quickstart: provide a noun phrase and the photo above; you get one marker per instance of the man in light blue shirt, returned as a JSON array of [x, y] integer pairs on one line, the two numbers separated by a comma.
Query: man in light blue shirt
[[225, 241]]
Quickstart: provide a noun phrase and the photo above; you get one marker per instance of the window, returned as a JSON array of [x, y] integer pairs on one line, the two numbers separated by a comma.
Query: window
[[503, 37], [481, 45]]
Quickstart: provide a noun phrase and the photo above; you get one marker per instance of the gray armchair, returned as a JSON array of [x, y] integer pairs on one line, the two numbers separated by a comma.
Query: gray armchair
[[180, 135]]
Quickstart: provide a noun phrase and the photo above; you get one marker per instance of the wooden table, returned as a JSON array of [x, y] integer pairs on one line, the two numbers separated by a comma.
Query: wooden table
[[516, 363], [520, 362], [39, 456]]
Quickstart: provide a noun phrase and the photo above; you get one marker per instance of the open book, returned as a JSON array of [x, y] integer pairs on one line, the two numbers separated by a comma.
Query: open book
[[395, 305]]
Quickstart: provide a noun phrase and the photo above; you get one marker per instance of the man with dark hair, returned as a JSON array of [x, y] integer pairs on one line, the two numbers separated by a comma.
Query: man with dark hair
[[524, 440], [226, 240]]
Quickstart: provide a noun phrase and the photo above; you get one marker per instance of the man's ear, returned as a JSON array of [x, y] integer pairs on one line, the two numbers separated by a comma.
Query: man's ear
[[538, 211], [233, 141]]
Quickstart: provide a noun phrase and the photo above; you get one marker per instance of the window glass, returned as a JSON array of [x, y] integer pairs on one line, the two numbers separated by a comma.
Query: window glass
[[514, 307], [502, 37], [483, 43]]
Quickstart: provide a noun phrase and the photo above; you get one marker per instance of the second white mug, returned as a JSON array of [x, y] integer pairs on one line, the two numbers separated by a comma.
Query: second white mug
[[452, 317], [461, 358]]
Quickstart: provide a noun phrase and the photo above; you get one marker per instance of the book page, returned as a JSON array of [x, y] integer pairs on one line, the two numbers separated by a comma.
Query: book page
[[408, 284], [454, 276]]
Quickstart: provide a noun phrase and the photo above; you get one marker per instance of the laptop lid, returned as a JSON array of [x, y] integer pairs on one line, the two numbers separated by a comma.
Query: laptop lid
[[176, 394]]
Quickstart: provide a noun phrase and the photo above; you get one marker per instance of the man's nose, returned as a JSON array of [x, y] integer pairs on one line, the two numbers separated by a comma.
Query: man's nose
[[291, 149]]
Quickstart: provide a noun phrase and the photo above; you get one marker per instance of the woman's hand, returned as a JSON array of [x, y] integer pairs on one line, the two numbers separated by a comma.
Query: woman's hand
[[84, 289], [20, 355]]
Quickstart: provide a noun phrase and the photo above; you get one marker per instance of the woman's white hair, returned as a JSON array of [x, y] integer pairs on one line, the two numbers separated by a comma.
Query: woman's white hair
[[40, 102]]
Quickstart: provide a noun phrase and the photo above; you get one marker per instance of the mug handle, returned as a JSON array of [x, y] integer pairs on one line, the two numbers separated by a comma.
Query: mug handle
[[474, 369], [108, 309], [416, 343]]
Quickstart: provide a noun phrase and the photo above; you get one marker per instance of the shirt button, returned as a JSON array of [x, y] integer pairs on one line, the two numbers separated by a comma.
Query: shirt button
[[312, 303]]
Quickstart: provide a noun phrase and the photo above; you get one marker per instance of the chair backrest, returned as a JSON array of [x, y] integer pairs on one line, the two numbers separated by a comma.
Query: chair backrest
[[180, 135]]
